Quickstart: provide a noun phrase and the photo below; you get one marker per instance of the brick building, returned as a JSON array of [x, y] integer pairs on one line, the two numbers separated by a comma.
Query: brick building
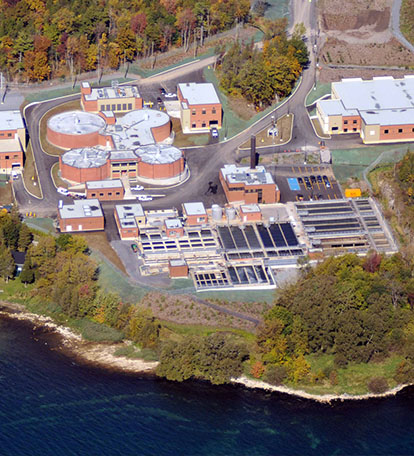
[[249, 186], [177, 268], [200, 107], [195, 213], [12, 141], [118, 99], [250, 213], [174, 228], [128, 218], [105, 190], [81, 215], [380, 110]]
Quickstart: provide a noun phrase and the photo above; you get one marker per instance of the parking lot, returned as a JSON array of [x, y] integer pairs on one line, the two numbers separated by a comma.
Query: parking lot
[[305, 183]]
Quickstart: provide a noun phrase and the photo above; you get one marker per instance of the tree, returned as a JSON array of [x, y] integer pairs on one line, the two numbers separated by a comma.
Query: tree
[[27, 274], [144, 328], [25, 238], [7, 265]]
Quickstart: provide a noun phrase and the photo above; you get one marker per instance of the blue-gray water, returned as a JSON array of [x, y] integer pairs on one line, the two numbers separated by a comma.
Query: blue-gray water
[[51, 406]]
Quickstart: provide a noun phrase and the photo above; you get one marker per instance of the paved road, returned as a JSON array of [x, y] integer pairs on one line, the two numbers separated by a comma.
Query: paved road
[[204, 162], [395, 25]]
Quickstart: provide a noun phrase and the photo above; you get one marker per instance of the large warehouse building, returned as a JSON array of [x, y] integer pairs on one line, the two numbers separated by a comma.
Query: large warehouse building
[[381, 110]]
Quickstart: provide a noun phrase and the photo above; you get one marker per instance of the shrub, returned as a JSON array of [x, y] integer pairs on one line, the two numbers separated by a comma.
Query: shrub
[[97, 332], [333, 378], [378, 385], [340, 361], [275, 375], [404, 372], [257, 369]]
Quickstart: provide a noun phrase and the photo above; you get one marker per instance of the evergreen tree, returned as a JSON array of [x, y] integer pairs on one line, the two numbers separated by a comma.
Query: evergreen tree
[[25, 238], [27, 274], [7, 265]]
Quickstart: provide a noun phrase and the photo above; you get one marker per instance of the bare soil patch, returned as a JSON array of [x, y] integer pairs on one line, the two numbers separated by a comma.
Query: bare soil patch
[[336, 74], [241, 108], [392, 53]]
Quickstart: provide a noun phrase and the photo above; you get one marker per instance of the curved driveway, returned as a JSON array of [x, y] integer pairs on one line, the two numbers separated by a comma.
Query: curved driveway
[[204, 162]]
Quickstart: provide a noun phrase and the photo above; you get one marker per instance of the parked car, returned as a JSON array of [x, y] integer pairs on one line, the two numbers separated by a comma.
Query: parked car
[[63, 191], [300, 180], [162, 91], [144, 198], [138, 188], [214, 132], [326, 182], [319, 179], [159, 101], [313, 179], [134, 248], [170, 95], [299, 197]]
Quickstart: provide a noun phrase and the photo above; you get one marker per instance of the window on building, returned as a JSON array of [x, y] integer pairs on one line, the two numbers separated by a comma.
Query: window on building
[[118, 107], [334, 128], [109, 193], [193, 112], [15, 156], [259, 195], [108, 107], [101, 194], [124, 107], [7, 157], [203, 125], [203, 111], [115, 164], [400, 130], [412, 130], [213, 111], [9, 135], [93, 195], [118, 193], [354, 121], [354, 129], [193, 126], [113, 107], [345, 122], [386, 131], [102, 108], [345, 130], [129, 106]]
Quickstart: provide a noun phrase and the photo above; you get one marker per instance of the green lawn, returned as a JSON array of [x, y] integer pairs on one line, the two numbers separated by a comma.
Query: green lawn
[[319, 90]]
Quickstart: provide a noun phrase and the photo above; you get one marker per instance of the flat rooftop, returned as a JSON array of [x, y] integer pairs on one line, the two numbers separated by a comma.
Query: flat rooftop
[[10, 145], [199, 94], [11, 120], [250, 208], [247, 176], [173, 223], [81, 209], [134, 129], [111, 93], [127, 214], [107, 183], [379, 101], [194, 208]]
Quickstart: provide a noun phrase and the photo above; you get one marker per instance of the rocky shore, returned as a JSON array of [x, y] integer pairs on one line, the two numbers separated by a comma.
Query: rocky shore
[[102, 355]]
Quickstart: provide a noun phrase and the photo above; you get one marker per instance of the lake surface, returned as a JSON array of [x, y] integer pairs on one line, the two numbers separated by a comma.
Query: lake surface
[[51, 406]]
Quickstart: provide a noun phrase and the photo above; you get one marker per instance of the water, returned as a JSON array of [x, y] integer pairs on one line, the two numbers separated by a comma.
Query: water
[[51, 406]]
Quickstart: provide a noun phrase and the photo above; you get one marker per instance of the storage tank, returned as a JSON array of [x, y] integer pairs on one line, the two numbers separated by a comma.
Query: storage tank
[[230, 213], [216, 212]]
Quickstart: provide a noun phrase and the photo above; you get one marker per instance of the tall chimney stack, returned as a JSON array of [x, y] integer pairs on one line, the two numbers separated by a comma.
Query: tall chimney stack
[[252, 152]]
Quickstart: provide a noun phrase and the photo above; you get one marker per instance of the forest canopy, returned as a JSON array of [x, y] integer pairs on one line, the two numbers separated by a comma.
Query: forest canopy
[[44, 38]]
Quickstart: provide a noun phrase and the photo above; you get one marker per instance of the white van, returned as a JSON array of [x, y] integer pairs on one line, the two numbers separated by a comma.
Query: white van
[[60, 205], [63, 191]]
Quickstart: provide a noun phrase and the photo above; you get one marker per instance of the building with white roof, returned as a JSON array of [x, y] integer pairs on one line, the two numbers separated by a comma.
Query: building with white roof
[[128, 218], [195, 213], [81, 215], [200, 107], [118, 99], [247, 185], [380, 110], [12, 141], [105, 190]]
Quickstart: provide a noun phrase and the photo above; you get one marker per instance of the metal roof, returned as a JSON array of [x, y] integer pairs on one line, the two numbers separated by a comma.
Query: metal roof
[[87, 157], [81, 209], [11, 120], [199, 94]]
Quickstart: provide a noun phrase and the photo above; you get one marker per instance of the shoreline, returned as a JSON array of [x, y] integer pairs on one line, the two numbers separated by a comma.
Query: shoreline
[[101, 355]]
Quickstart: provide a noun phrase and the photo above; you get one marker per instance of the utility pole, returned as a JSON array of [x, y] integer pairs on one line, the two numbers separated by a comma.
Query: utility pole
[[2, 95]]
